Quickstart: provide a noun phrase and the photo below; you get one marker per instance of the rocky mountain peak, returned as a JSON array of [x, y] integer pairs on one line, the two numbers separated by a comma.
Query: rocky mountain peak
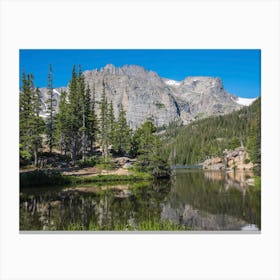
[[201, 84], [109, 69], [143, 94], [129, 71]]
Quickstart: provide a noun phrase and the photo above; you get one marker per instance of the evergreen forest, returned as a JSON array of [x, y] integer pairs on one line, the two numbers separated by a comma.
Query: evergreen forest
[[206, 138]]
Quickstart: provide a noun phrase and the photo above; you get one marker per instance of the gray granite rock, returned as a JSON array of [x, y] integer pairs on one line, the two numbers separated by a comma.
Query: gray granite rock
[[143, 94]]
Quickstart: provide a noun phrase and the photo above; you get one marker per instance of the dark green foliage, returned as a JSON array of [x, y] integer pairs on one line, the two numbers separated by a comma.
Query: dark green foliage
[[76, 110], [147, 147], [76, 121], [50, 110], [254, 138], [81, 121], [123, 134], [62, 125], [42, 178], [31, 124], [92, 122], [88, 162], [209, 137], [104, 124], [112, 125]]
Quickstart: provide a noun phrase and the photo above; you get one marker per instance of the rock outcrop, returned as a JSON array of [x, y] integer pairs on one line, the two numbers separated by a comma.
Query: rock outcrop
[[200, 97], [237, 159], [143, 94]]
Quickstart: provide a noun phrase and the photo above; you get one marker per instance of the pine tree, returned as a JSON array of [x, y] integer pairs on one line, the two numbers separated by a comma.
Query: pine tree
[[104, 135], [145, 139], [31, 124], [111, 126], [50, 110], [123, 134], [63, 124], [75, 114], [92, 119], [25, 111], [254, 141], [148, 148], [84, 102]]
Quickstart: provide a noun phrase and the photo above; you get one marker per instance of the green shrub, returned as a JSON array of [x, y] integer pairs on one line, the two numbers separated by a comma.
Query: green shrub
[[42, 178], [88, 162]]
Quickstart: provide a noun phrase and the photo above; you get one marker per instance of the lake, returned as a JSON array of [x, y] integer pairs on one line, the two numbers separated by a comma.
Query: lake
[[193, 200]]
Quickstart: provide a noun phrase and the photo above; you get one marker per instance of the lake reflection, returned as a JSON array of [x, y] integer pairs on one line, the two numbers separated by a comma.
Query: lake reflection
[[214, 200], [192, 200]]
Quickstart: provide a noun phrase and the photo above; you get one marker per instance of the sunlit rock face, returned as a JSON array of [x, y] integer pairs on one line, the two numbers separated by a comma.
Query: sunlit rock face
[[145, 95], [237, 159], [142, 94]]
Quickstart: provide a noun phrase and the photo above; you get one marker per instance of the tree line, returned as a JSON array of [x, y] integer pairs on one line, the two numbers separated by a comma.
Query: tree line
[[83, 127]]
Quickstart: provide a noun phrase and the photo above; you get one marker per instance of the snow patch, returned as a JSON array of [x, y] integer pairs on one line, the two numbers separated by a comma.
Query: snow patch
[[55, 91], [172, 83], [244, 101]]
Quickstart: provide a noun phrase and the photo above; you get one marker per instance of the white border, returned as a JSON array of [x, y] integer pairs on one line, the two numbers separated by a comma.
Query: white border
[[134, 24]]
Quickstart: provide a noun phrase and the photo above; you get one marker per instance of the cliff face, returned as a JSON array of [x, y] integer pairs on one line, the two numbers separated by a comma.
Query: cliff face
[[143, 94], [200, 97]]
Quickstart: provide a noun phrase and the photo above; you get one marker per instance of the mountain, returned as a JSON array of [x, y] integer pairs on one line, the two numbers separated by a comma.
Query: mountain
[[144, 94]]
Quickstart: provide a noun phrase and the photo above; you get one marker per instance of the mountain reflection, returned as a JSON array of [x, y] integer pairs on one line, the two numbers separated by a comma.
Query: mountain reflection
[[213, 200], [196, 200]]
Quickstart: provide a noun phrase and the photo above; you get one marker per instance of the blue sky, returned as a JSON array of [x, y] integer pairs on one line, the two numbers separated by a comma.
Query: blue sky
[[238, 69]]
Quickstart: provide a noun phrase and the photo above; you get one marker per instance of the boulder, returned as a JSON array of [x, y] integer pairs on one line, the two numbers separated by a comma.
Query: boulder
[[233, 159]]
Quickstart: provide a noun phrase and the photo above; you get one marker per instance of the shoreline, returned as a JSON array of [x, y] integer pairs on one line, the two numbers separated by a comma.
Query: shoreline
[[52, 177]]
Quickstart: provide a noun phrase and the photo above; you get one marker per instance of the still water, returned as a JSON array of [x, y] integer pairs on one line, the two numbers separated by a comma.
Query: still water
[[191, 200]]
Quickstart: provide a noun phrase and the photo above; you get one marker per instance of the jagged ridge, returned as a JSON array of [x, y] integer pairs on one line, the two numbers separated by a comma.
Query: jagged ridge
[[143, 94]]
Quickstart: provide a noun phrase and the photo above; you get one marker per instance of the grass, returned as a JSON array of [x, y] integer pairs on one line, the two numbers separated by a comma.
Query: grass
[[154, 225], [149, 225], [109, 178], [55, 178]]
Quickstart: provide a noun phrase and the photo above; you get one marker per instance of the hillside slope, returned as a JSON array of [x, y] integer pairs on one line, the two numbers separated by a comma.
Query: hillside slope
[[202, 139]]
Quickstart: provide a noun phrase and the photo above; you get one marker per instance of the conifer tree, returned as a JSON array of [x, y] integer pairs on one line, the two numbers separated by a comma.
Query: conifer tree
[[254, 139], [123, 134], [62, 124], [92, 120], [148, 148], [37, 102], [50, 110], [104, 135], [111, 125], [83, 96], [75, 119], [31, 124]]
